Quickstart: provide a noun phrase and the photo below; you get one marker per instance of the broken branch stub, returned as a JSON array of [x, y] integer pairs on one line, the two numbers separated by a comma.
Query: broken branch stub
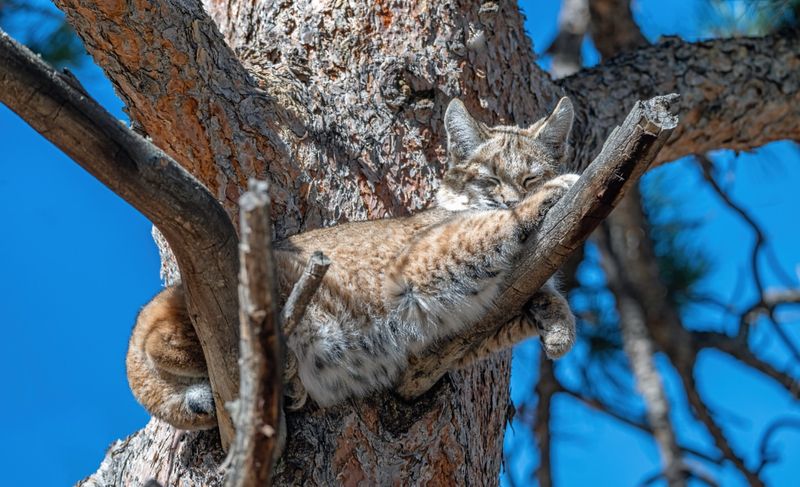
[[259, 407]]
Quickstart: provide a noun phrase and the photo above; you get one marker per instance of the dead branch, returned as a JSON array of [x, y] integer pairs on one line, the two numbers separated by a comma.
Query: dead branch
[[197, 228], [259, 408], [639, 348], [702, 413], [758, 247], [739, 349], [303, 291], [625, 156]]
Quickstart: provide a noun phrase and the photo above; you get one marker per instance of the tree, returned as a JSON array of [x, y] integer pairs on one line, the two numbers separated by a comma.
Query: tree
[[340, 108]]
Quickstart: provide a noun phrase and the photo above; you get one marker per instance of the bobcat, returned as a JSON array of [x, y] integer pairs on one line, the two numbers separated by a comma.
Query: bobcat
[[396, 285]]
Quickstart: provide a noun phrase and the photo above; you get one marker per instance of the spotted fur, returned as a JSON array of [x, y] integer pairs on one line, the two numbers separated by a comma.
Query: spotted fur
[[396, 286]]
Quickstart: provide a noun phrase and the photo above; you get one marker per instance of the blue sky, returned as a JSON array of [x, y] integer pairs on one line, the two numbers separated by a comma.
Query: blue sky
[[78, 262]]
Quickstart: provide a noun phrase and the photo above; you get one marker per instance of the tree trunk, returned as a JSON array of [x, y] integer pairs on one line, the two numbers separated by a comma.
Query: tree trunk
[[362, 88]]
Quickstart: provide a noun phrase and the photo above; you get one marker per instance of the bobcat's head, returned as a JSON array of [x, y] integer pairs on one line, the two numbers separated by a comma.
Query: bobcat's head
[[495, 167]]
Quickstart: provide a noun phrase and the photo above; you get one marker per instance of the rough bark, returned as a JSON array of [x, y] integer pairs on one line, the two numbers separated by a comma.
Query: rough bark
[[735, 93]]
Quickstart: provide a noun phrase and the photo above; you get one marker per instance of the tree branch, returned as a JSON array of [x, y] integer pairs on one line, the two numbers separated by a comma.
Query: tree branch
[[259, 408], [738, 349], [735, 93], [625, 156], [195, 225], [546, 388], [303, 291], [702, 413], [186, 89], [613, 28], [638, 345]]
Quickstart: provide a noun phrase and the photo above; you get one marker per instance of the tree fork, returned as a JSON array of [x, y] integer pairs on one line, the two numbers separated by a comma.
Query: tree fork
[[196, 226]]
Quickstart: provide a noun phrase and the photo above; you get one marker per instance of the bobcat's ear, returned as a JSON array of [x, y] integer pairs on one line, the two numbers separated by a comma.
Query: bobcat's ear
[[464, 133], [554, 130]]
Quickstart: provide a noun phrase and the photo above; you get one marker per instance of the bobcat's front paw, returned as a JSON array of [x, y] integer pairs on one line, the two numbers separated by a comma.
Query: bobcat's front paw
[[558, 339], [562, 183], [557, 187]]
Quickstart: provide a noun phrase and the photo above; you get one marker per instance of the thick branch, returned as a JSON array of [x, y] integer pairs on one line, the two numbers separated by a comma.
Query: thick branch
[[195, 225], [259, 408], [625, 156], [184, 87], [735, 93]]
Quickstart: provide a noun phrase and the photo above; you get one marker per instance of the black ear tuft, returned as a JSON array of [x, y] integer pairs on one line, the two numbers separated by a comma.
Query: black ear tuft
[[464, 133], [555, 130]]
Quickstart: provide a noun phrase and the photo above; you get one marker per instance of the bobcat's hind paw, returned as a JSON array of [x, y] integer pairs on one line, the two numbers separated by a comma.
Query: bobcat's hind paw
[[558, 339], [199, 400]]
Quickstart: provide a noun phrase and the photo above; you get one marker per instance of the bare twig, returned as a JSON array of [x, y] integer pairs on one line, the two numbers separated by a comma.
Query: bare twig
[[770, 300], [768, 457], [625, 419], [739, 349], [259, 408], [625, 156], [303, 291], [705, 416], [197, 228], [761, 241]]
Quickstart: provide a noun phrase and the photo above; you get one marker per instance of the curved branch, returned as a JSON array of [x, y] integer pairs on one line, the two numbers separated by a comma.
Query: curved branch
[[184, 87], [197, 228], [736, 93], [625, 156], [704, 414], [739, 350]]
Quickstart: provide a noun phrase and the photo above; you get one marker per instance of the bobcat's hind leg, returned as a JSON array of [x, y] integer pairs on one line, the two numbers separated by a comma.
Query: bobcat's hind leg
[[547, 314], [165, 364]]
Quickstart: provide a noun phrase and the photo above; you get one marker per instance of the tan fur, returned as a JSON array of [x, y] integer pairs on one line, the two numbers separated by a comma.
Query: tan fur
[[396, 285]]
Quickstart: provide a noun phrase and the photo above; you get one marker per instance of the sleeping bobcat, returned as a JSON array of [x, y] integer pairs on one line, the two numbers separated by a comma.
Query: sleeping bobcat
[[395, 285]]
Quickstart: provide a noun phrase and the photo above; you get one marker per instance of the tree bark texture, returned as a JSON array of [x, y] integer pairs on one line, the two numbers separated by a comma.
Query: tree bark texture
[[339, 105], [735, 93]]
